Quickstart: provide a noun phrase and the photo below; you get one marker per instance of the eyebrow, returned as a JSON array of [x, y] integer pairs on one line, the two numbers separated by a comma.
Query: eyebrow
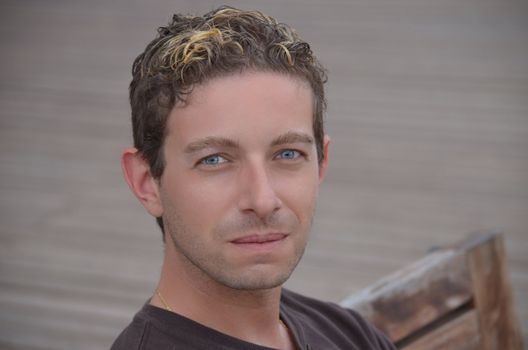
[[210, 142], [292, 137]]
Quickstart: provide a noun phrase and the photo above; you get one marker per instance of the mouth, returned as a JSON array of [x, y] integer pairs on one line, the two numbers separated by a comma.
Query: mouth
[[260, 241]]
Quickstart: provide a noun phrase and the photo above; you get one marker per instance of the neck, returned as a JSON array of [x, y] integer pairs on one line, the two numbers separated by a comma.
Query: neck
[[252, 316]]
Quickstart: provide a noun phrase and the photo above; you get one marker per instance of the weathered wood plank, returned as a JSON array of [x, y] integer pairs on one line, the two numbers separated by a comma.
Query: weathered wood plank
[[493, 296], [416, 295], [456, 297], [461, 333]]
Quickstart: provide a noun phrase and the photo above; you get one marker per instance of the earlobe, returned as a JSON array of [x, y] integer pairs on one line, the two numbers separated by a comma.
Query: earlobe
[[138, 177], [324, 163]]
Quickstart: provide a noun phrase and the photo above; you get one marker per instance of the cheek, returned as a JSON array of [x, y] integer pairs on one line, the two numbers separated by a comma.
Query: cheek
[[299, 193], [198, 199]]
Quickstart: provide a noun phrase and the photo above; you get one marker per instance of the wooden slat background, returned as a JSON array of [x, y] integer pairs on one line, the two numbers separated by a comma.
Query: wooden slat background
[[428, 115]]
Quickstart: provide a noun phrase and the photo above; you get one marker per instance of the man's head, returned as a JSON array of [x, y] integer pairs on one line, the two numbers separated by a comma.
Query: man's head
[[230, 149], [192, 50]]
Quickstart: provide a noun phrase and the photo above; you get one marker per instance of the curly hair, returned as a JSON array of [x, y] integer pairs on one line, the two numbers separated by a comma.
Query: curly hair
[[194, 49]]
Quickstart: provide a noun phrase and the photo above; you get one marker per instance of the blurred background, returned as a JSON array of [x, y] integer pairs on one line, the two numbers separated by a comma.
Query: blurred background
[[428, 113]]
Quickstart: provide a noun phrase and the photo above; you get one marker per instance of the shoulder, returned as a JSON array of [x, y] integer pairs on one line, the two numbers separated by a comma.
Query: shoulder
[[144, 333], [329, 320], [130, 337], [156, 329], [315, 310]]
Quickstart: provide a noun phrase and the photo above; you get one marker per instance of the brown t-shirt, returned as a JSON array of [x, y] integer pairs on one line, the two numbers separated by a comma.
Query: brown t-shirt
[[314, 324]]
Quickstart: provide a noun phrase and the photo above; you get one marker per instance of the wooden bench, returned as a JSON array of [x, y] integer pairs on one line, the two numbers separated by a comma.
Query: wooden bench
[[456, 297]]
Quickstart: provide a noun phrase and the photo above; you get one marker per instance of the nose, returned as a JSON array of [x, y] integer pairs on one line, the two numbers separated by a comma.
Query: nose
[[257, 192]]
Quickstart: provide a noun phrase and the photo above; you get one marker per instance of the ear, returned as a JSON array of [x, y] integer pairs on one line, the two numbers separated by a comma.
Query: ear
[[137, 174], [324, 163]]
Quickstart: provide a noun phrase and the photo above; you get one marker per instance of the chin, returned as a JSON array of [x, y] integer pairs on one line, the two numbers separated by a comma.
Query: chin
[[255, 280]]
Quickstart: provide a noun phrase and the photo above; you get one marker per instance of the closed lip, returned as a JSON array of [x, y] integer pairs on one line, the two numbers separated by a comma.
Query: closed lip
[[260, 238]]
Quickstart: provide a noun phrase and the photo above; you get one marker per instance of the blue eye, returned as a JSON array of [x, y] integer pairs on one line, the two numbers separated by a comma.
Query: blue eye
[[289, 154], [213, 160]]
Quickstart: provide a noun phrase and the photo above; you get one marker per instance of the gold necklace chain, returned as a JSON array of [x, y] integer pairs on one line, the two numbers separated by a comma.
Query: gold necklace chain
[[163, 300], [170, 309]]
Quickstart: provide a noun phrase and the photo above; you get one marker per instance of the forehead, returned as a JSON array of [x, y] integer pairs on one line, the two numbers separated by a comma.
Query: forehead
[[244, 105]]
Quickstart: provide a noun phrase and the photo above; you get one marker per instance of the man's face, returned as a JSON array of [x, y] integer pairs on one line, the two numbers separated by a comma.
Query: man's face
[[240, 183]]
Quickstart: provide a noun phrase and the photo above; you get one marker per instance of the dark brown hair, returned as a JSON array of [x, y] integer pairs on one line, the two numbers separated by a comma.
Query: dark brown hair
[[194, 49]]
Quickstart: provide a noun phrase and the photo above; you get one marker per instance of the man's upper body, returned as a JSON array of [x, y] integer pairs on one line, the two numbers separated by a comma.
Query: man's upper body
[[229, 152], [312, 324]]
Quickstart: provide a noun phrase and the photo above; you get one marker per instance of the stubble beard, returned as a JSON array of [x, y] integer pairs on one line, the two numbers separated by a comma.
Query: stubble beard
[[217, 270]]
